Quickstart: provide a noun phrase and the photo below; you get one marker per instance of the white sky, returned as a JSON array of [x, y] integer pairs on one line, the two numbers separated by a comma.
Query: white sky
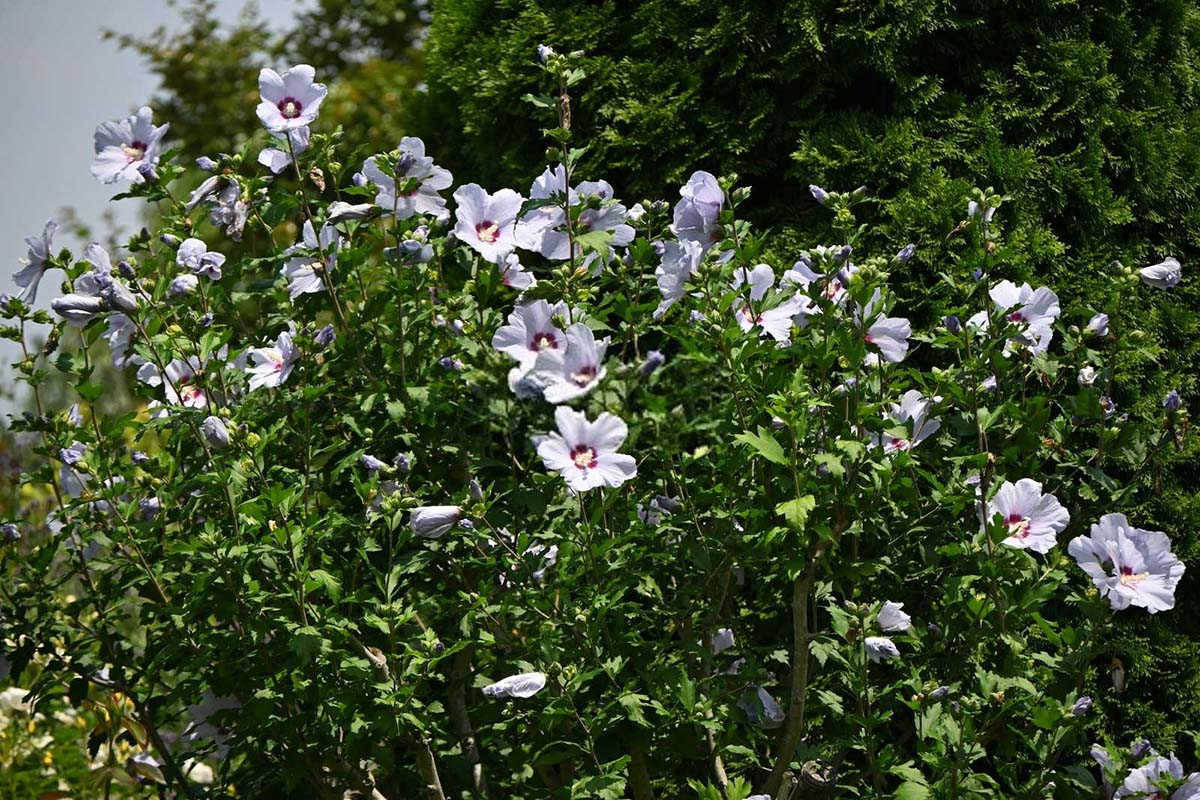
[[59, 80]]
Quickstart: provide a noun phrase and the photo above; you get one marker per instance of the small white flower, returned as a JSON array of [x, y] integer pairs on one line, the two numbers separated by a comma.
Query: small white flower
[[126, 149], [432, 522], [761, 708], [585, 453], [1163, 275], [892, 619], [290, 100], [1032, 312], [524, 685], [1087, 376]]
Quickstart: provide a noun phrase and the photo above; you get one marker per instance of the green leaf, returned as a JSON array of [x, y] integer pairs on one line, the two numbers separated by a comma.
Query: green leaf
[[765, 444], [911, 791], [796, 511]]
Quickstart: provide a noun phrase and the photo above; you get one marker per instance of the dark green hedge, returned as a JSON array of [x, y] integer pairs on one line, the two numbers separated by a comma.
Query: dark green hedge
[[1084, 113]]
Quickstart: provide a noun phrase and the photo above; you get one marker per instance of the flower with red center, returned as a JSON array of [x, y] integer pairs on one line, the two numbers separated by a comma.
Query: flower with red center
[[1031, 312], [912, 412], [270, 366], [290, 100], [571, 372], [1144, 571], [584, 452], [1033, 519], [530, 331], [485, 221], [127, 149], [182, 381], [889, 334], [314, 256]]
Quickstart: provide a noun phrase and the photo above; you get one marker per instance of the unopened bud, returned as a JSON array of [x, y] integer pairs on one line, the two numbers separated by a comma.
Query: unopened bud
[[215, 432]]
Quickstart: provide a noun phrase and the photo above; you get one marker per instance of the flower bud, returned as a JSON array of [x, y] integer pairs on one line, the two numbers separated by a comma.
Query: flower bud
[[819, 194], [1139, 750], [953, 323], [339, 211], [138, 457], [1172, 402], [906, 254], [77, 309], [9, 533], [939, 693], [206, 320], [1087, 376], [183, 285], [544, 52], [432, 522], [358, 179], [450, 364], [402, 463], [149, 507], [371, 462], [1097, 326], [654, 360], [475, 490], [215, 432], [1082, 706], [207, 164], [170, 240], [126, 269], [118, 296], [325, 336]]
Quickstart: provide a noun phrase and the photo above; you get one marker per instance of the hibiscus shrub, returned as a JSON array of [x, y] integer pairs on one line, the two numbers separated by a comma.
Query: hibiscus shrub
[[554, 496]]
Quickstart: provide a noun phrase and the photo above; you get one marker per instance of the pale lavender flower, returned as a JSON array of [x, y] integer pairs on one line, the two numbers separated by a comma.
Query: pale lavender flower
[[585, 452], [1142, 782], [372, 463], [1033, 312], [421, 182], [1097, 325], [1172, 402], [514, 276], [1033, 519], [315, 257], [953, 323], [290, 100], [544, 52], [906, 253], [1144, 571], [530, 331], [889, 334], [680, 262], [194, 254], [761, 708], [277, 159], [118, 332], [486, 222], [819, 194], [911, 412], [1163, 275], [127, 149], [880, 648], [214, 431], [230, 211], [432, 522], [183, 285], [207, 164], [701, 200], [1081, 706], [34, 263], [573, 371], [270, 366], [521, 686], [892, 619]]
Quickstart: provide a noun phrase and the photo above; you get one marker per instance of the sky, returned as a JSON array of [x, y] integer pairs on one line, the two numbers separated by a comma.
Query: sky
[[60, 79]]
